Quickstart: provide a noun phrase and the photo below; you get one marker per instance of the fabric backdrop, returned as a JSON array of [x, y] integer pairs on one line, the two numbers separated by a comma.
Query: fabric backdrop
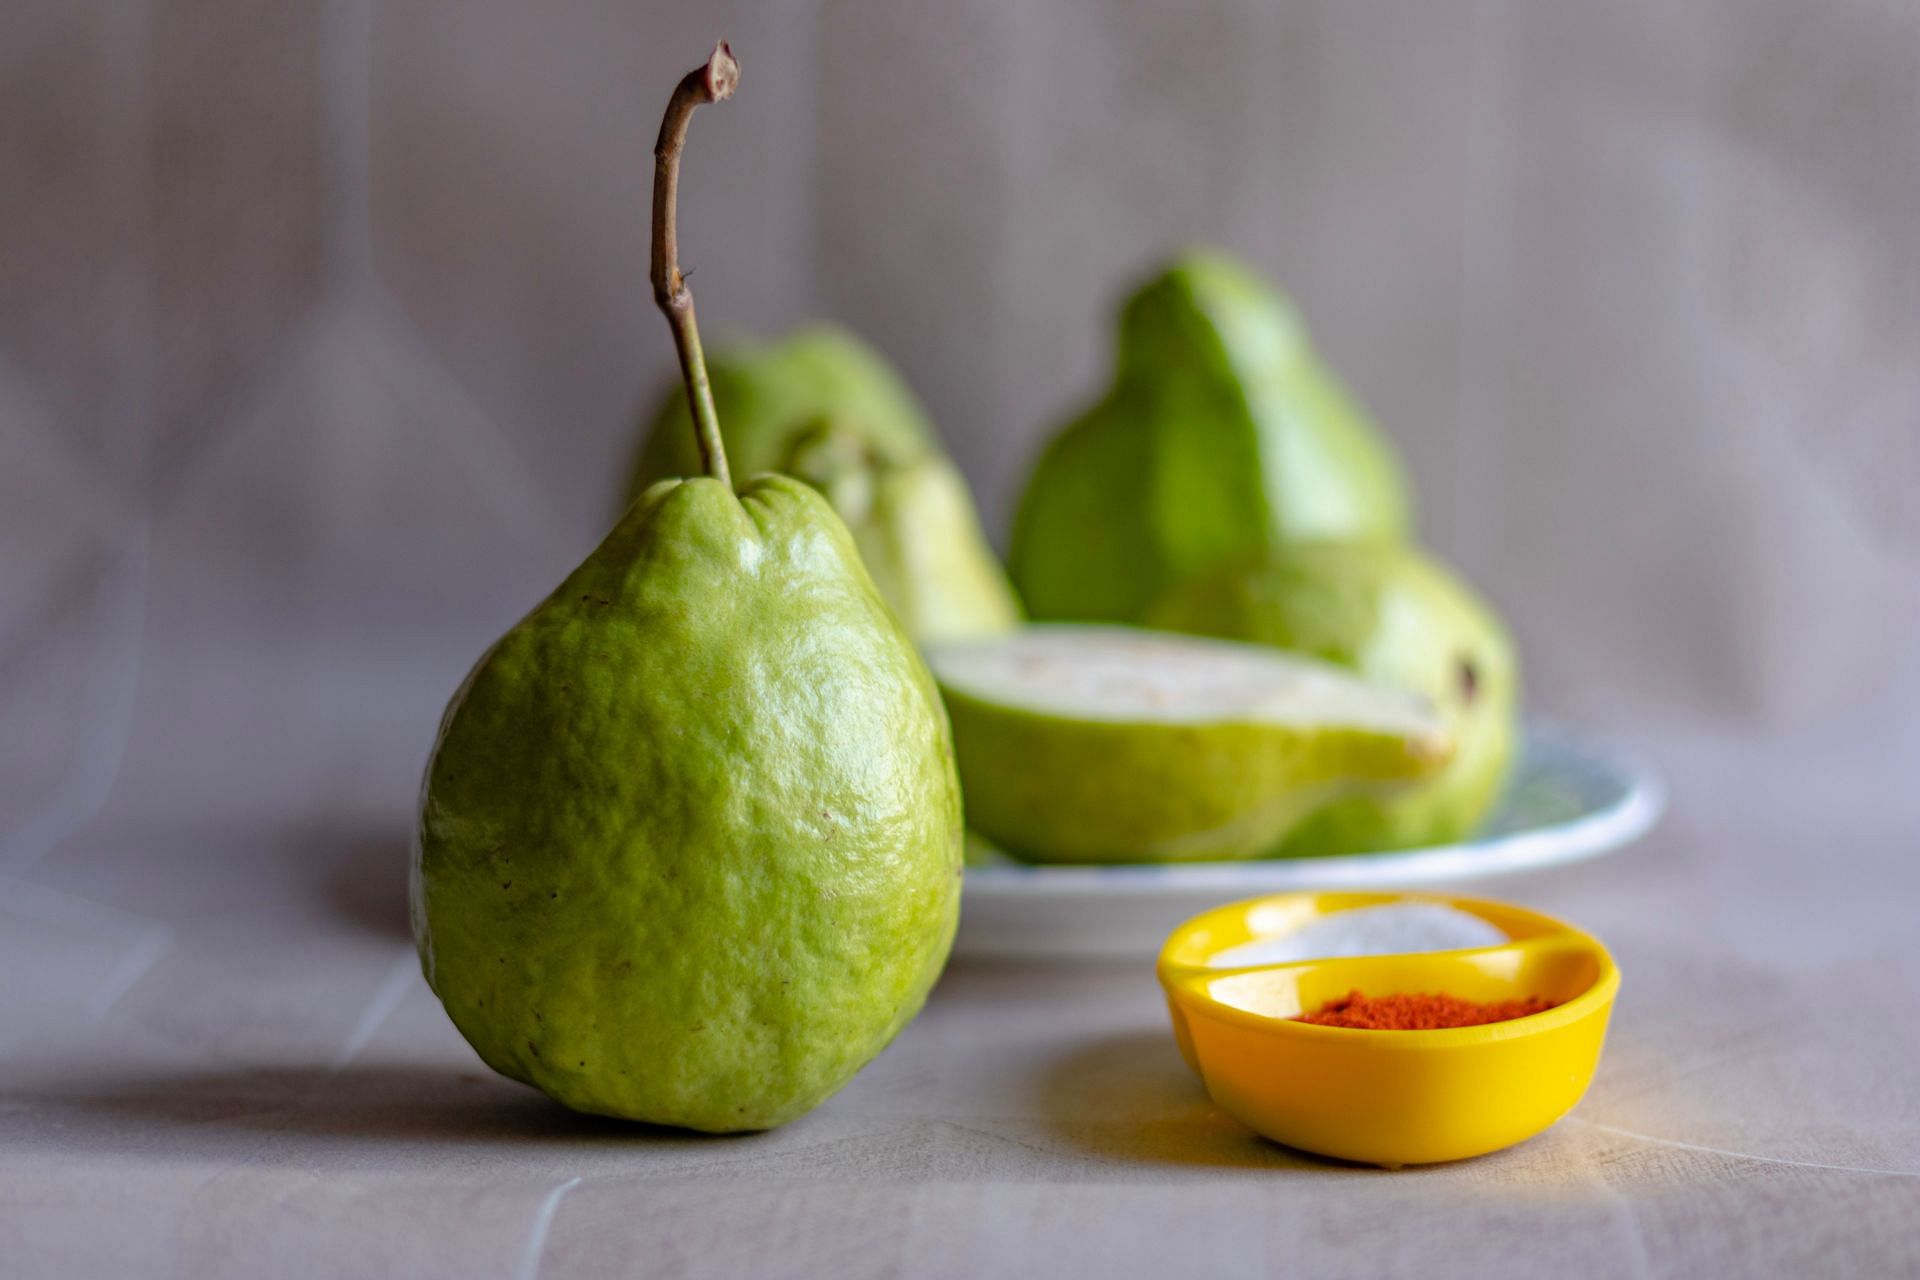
[[324, 327]]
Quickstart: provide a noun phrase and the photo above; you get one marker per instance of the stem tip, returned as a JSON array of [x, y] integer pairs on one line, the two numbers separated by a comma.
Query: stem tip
[[723, 73]]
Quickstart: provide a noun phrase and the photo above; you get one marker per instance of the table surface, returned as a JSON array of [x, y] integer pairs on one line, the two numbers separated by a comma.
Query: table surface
[[217, 1058]]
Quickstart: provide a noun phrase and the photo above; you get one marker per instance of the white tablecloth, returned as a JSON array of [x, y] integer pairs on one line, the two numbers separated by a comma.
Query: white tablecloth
[[217, 1058]]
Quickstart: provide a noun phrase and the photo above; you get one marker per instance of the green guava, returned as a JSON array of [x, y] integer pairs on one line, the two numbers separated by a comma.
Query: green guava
[[1223, 433], [824, 406], [1114, 744], [769, 394], [690, 839], [1397, 618]]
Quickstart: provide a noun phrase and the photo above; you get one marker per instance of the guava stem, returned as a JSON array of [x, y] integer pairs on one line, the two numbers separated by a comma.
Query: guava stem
[[713, 81]]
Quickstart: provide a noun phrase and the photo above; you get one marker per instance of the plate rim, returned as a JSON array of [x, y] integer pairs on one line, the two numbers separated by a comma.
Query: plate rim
[[1590, 835]]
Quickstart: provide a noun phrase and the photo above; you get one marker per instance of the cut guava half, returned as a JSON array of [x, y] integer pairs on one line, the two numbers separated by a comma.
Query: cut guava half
[[1081, 743]]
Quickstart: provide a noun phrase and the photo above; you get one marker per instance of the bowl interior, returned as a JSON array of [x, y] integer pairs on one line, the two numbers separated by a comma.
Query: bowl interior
[[1556, 971], [1195, 944]]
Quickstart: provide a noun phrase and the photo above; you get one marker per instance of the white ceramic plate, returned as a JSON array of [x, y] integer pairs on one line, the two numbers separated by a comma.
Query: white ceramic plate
[[1570, 799]]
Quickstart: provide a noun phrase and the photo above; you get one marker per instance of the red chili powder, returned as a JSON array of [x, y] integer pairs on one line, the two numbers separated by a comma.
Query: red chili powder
[[1419, 1011]]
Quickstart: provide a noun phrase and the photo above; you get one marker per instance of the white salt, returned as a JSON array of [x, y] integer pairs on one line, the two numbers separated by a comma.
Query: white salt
[[1395, 928]]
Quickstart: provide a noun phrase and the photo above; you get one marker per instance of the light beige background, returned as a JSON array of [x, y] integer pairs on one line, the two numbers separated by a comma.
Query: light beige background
[[323, 327]]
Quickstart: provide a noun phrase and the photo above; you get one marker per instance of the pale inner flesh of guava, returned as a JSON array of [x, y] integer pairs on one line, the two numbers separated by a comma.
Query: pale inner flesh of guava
[[1127, 675]]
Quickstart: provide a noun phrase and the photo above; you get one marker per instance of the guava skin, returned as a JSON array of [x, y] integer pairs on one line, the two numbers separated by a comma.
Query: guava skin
[[690, 838], [1222, 434], [824, 407], [768, 394], [1397, 618], [1050, 789], [920, 539]]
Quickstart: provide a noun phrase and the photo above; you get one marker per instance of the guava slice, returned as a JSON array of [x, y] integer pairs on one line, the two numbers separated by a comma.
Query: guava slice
[[1090, 743], [1395, 616]]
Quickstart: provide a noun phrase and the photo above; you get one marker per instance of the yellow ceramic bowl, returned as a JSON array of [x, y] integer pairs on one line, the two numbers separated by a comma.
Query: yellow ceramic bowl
[[1389, 1097]]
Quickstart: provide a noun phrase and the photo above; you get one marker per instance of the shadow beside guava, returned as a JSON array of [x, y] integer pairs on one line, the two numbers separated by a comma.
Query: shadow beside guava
[[284, 1115], [365, 877]]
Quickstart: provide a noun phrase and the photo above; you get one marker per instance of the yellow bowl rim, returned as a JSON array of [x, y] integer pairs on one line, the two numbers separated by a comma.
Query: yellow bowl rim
[[1181, 980]]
